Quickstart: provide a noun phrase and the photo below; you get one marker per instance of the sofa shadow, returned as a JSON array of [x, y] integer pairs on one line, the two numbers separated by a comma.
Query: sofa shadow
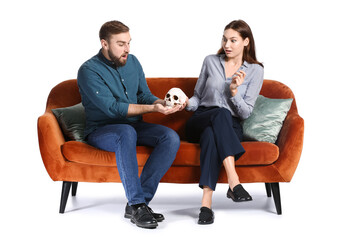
[[113, 205], [187, 204]]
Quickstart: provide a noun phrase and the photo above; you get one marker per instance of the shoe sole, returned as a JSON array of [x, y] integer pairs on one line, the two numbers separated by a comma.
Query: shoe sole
[[235, 200], [150, 226], [206, 223], [129, 216]]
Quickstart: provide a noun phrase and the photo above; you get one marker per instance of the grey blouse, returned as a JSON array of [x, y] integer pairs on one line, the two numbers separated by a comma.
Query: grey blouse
[[213, 89]]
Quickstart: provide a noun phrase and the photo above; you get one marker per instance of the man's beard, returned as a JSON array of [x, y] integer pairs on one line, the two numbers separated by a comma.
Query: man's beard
[[116, 61]]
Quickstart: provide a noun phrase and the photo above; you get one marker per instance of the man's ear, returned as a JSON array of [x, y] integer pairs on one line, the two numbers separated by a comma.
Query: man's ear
[[246, 42], [104, 44]]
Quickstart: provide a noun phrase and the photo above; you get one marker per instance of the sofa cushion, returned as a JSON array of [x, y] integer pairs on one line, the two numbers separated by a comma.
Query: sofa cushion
[[265, 121], [81, 152], [257, 153], [72, 121]]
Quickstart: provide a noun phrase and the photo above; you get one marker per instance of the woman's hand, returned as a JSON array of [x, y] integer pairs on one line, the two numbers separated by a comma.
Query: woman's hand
[[185, 104], [237, 80]]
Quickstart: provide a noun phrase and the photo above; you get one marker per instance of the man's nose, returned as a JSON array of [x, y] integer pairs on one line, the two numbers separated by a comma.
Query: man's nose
[[127, 48]]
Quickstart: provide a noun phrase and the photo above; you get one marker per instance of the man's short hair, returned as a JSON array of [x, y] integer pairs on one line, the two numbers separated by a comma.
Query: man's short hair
[[110, 28]]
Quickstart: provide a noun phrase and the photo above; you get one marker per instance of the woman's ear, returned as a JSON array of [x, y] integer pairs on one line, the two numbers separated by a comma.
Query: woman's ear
[[246, 42]]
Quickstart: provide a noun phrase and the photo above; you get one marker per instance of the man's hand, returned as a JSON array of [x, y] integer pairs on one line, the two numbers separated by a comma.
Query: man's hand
[[166, 110], [157, 106]]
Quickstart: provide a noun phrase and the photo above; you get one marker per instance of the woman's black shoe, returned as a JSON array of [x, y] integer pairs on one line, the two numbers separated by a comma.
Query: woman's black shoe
[[238, 194], [206, 216], [142, 217]]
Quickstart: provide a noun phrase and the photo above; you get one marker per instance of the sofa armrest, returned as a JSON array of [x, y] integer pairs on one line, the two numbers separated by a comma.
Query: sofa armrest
[[50, 139], [290, 143]]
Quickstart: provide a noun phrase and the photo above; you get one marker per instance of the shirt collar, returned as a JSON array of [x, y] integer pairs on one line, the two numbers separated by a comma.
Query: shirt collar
[[105, 60], [222, 60]]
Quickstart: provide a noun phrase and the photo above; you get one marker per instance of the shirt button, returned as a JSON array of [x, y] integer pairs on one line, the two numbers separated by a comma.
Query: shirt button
[[126, 93], [122, 80]]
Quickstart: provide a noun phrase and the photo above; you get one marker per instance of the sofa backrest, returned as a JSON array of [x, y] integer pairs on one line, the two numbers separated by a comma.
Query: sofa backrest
[[64, 94], [270, 88], [160, 86], [275, 89], [67, 94]]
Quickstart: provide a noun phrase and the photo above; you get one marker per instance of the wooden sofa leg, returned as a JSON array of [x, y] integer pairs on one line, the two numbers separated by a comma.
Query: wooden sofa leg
[[64, 195], [268, 189], [276, 195], [74, 188]]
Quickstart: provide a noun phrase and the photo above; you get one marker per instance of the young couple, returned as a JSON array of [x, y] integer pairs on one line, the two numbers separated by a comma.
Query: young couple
[[115, 94]]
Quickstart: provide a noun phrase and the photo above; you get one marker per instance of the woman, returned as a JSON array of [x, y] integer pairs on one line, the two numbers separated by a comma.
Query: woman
[[225, 93]]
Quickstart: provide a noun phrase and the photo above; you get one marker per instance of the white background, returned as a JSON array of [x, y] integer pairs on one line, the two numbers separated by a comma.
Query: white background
[[45, 42]]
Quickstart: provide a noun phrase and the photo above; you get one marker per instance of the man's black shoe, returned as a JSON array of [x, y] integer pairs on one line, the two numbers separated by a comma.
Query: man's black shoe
[[142, 217], [128, 213]]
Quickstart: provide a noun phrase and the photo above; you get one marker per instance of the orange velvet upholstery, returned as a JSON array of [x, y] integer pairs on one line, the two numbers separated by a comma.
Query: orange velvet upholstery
[[79, 162]]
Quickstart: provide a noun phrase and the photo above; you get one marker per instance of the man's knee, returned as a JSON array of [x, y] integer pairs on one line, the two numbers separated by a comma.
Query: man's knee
[[110, 137], [127, 133], [121, 134], [170, 137], [173, 137]]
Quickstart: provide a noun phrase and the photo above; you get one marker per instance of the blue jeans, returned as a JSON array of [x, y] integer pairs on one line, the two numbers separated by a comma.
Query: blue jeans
[[123, 139]]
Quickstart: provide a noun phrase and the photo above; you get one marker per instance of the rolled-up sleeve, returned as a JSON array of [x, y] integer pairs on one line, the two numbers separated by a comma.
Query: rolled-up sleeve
[[94, 89]]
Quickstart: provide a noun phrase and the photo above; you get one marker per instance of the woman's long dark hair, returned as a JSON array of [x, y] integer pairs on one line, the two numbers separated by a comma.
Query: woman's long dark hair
[[244, 30]]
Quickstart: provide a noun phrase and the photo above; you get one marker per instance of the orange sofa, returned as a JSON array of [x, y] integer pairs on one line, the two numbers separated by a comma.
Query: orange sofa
[[73, 161]]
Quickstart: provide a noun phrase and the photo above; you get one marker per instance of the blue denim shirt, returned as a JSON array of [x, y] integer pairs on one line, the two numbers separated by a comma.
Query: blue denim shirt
[[107, 91], [213, 88]]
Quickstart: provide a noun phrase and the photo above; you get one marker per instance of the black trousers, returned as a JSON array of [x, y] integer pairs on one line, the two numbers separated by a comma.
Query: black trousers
[[219, 135]]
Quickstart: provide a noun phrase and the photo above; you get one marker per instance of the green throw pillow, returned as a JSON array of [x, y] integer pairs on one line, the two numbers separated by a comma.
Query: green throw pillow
[[72, 121], [265, 121]]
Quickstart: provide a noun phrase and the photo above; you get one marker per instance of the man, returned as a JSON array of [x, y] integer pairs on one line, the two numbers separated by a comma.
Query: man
[[115, 94]]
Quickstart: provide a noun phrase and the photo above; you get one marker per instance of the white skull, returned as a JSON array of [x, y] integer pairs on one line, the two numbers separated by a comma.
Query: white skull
[[175, 96]]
